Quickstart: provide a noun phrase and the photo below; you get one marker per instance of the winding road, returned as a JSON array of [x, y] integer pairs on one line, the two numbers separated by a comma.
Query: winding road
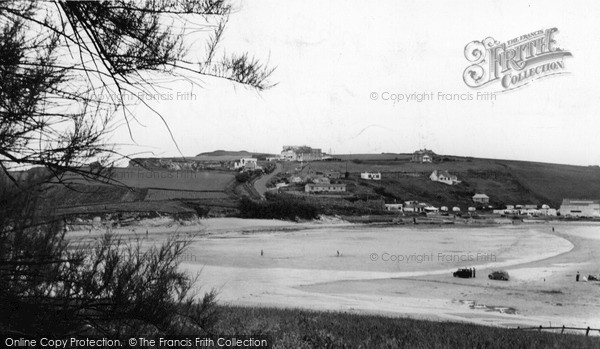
[[261, 184]]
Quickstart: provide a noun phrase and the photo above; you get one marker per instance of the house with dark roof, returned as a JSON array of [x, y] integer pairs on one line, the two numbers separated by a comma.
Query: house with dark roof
[[423, 155]]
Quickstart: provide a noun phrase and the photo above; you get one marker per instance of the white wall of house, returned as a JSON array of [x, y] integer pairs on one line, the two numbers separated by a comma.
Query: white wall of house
[[375, 176]]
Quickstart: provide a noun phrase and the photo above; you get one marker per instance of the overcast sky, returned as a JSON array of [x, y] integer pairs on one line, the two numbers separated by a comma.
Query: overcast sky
[[330, 56]]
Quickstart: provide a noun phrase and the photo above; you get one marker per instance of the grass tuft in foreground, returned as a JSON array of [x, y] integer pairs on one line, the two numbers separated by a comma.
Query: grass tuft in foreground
[[292, 328]]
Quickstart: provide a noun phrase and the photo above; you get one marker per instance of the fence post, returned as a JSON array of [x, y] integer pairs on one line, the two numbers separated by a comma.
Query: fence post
[[587, 331], [563, 329]]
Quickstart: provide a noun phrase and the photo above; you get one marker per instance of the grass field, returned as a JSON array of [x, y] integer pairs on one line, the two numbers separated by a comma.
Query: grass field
[[291, 328], [141, 190], [177, 180]]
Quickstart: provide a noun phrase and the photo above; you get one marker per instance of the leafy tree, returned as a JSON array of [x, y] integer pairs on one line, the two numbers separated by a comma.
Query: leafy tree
[[71, 70], [67, 70]]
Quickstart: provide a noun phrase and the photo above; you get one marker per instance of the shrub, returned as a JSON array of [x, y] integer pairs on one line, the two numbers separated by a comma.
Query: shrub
[[278, 207], [110, 287]]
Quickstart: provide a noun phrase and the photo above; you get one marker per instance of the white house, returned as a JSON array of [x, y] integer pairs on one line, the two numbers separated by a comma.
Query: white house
[[444, 177], [455, 209], [315, 188], [246, 163], [393, 207], [481, 198], [414, 206], [376, 176], [444, 209]]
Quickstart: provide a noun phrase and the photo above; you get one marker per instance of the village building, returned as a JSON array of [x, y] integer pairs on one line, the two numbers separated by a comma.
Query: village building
[[295, 179], [481, 199], [423, 156], [455, 209], [375, 176], [444, 208], [393, 207], [548, 211], [444, 177], [246, 164], [319, 188], [319, 179], [431, 209], [301, 153], [580, 208], [333, 174], [414, 206]]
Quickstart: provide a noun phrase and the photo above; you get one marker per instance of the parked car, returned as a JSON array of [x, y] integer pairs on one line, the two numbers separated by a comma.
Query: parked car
[[499, 275], [463, 273]]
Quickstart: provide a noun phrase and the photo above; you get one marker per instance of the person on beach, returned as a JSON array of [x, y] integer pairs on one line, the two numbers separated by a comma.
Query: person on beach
[[262, 253], [338, 252], [577, 277], [473, 272]]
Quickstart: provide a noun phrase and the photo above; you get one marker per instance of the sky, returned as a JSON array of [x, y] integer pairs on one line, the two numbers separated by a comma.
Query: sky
[[337, 61]]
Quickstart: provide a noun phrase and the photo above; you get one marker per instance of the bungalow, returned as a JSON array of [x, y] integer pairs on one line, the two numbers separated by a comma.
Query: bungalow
[[414, 206], [376, 176], [455, 209], [580, 208], [444, 177], [444, 209], [393, 207], [324, 187], [481, 198]]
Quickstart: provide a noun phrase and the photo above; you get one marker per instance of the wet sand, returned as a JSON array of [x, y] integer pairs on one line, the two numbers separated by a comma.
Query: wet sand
[[397, 271]]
